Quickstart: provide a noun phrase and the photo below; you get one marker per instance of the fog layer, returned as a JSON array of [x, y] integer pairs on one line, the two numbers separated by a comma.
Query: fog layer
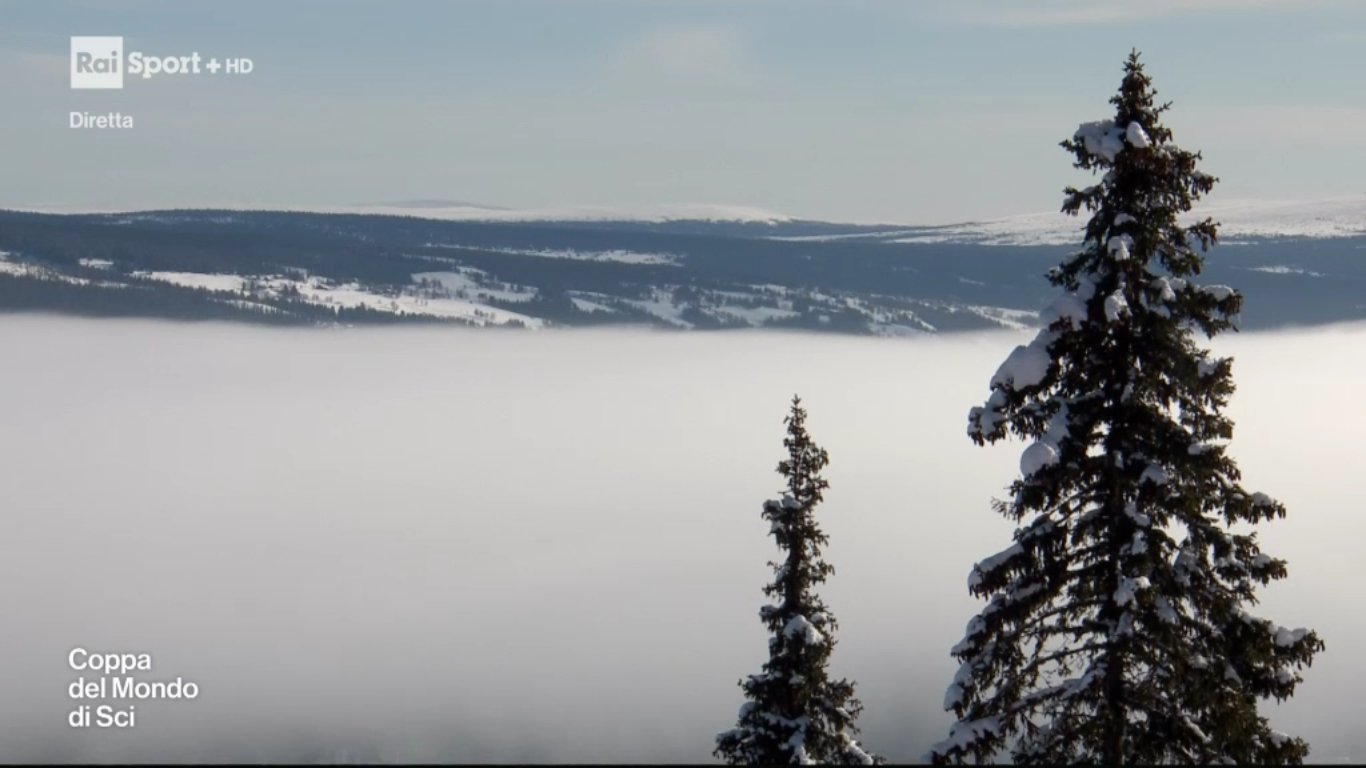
[[442, 545]]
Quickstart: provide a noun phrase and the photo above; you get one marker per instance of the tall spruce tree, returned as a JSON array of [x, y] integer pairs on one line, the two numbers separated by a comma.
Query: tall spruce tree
[[1117, 629], [794, 713]]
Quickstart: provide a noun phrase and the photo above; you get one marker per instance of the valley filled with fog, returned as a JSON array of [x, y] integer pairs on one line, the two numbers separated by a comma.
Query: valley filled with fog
[[450, 545]]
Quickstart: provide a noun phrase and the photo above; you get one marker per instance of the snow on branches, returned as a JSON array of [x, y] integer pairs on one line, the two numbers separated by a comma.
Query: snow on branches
[[794, 713], [1115, 628]]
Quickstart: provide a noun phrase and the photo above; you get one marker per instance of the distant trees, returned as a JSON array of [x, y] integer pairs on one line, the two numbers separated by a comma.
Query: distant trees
[[794, 713], [1117, 630]]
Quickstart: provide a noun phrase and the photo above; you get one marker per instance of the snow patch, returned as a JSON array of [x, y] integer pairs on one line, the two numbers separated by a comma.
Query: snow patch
[[1286, 638], [1136, 136], [202, 281], [799, 626], [1128, 590], [1119, 246], [1284, 270], [465, 284], [1038, 456], [987, 566], [1101, 139], [1069, 307], [1116, 307], [1219, 292], [1153, 474], [617, 256], [1025, 367]]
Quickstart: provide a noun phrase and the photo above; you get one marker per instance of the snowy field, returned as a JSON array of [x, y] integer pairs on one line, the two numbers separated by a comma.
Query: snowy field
[[438, 544]]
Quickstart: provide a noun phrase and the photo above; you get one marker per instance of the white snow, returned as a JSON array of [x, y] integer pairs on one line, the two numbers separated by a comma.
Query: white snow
[[202, 281], [1284, 270], [1207, 367], [954, 695], [1195, 729], [650, 213], [987, 565], [584, 305], [1101, 138], [1219, 292], [1038, 456], [465, 284], [976, 626], [1119, 246], [1059, 426], [896, 230], [661, 304], [1024, 229], [1166, 612], [1116, 307], [318, 291], [898, 330], [1238, 218], [754, 315], [14, 267], [33, 270], [617, 256], [1125, 626], [1136, 136], [1014, 319], [1166, 287], [1128, 590], [97, 263], [963, 733], [1239, 221], [1289, 637], [799, 626], [853, 749], [352, 295], [1153, 474], [1025, 367], [1069, 307]]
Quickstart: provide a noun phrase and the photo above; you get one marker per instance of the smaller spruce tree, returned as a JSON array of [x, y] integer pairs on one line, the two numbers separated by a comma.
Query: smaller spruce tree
[[794, 713]]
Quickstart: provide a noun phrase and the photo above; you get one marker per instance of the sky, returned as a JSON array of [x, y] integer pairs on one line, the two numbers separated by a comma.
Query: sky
[[854, 110], [402, 545]]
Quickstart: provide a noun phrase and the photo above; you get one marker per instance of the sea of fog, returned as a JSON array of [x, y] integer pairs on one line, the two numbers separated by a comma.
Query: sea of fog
[[418, 545]]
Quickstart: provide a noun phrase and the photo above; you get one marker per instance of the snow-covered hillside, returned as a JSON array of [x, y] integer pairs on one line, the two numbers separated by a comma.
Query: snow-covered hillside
[[1240, 220], [285, 267]]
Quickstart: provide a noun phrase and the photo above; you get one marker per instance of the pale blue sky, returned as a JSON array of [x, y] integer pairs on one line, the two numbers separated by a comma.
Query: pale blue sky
[[845, 109]]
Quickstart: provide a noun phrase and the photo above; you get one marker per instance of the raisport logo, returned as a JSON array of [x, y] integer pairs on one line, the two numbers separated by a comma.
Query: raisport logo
[[98, 62]]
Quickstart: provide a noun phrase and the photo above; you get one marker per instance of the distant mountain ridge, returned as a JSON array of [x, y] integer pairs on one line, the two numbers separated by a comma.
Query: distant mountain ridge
[[1325, 218], [680, 267]]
